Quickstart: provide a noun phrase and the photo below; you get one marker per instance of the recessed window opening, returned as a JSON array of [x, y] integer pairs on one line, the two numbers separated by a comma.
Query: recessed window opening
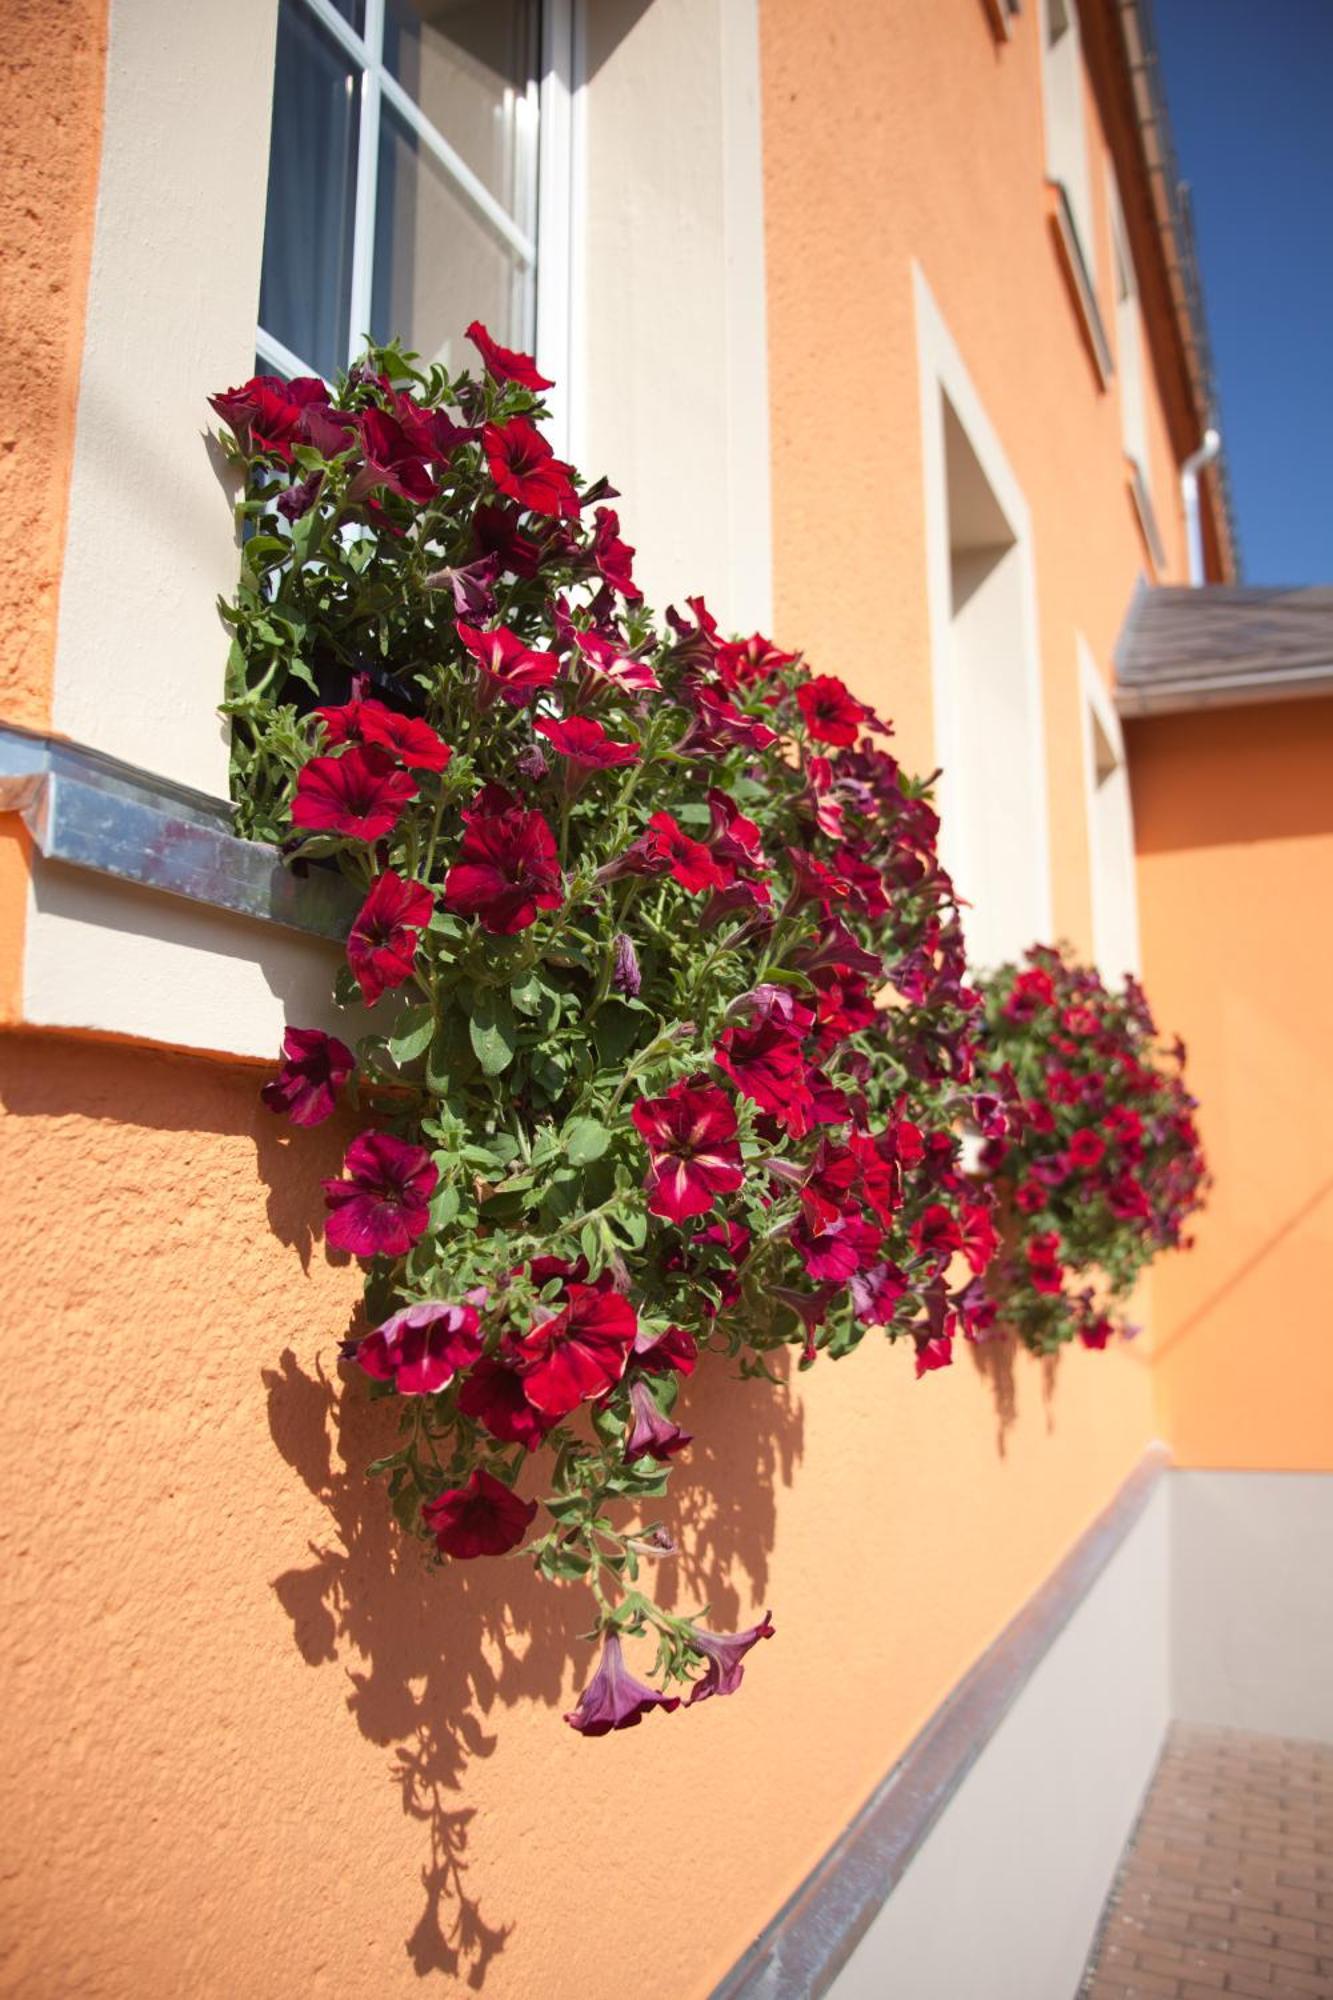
[[1115, 916]]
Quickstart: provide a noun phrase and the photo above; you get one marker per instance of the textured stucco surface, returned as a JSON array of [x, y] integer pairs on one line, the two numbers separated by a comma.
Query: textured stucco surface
[[252, 1747], [1234, 811], [52, 56]]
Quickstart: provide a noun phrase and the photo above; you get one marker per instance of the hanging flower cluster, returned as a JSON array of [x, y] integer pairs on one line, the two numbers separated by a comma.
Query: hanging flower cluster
[[1090, 1143], [668, 1041]]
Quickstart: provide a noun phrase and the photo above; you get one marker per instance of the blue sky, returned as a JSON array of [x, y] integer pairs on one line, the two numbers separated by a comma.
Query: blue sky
[[1250, 94]]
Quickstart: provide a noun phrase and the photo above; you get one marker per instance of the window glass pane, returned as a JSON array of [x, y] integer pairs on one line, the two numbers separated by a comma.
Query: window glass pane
[[353, 12], [469, 64], [438, 263], [304, 297]]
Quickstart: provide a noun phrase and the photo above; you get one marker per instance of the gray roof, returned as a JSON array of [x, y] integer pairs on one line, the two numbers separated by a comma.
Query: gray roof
[[1223, 644]]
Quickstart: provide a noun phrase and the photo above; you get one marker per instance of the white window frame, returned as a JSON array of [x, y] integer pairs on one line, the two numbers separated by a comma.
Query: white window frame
[[1063, 89], [1112, 872], [1131, 353], [944, 378], [544, 251]]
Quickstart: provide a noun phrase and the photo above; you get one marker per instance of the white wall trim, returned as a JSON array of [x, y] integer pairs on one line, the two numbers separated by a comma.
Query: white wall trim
[[942, 374], [1096, 703]]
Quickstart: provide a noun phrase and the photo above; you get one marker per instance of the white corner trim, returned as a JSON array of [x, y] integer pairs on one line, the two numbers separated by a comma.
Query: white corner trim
[[942, 373], [749, 495], [559, 213]]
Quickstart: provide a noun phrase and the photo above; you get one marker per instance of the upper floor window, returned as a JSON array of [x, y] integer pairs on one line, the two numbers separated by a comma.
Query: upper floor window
[[1066, 140], [402, 191], [1129, 348]]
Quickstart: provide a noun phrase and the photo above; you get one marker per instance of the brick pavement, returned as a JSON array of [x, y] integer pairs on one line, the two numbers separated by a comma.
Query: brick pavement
[[1227, 1884]]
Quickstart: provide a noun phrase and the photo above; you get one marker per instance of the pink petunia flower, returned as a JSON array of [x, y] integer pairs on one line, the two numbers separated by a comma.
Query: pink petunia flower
[[421, 1348], [382, 1205], [479, 1518], [724, 1655], [507, 868], [693, 1152], [651, 1435], [613, 1699], [360, 795], [314, 1068], [382, 943]]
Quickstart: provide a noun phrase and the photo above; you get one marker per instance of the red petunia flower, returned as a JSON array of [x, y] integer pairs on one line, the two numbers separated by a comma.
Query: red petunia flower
[[382, 943], [980, 1240], [1096, 1333], [421, 1348], [512, 669], [723, 1654], [505, 364], [1086, 1149], [832, 714], [876, 1292], [269, 415], [314, 1068], [834, 1247], [382, 1205], [693, 1152], [933, 1351], [586, 743], [523, 465], [578, 1353], [1043, 1260], [766, 1064], [614, 558], [393, 459], [613, 1699], [651, 1435], [481, 1518], [359, 795], [936, 1234], [603, 656], [664, 848], [658, 1353], [493, 1395], [507, 867], [410, 740]]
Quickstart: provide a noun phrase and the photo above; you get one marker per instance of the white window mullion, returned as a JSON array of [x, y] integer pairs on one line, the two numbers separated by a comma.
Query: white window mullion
[[453, 163], [367, 179], [274, 355], [556, 273]]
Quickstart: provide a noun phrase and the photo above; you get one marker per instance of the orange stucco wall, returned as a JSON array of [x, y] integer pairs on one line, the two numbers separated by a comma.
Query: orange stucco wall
[[255, 1747], [1234, 822]]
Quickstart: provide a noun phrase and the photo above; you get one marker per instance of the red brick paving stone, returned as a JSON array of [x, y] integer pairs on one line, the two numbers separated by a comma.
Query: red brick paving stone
[[1226, 1887]]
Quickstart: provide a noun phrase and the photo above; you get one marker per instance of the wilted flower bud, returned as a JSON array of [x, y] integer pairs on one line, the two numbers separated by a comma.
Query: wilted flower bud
[[626, 978]]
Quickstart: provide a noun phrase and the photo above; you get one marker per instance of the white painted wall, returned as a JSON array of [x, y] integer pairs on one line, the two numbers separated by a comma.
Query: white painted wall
[[1003, 1899], [1252, 1611], [1114, 885]]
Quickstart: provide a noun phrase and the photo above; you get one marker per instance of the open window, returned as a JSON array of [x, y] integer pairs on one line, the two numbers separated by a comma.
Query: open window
[[1115, 910], [1130, 361]]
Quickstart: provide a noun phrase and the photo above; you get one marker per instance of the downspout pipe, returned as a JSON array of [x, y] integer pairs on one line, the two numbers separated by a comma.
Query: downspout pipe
[[1189, 495]]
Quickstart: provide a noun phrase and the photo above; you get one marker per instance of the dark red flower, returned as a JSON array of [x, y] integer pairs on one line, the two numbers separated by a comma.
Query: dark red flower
[[613, 1699], [314, 1068], [876, 1292], [382, 943], [1043, 1260], [510, 667], [1030, 993], [523, 465], [833, 1247], [980, 1241], [1096, 1333], [936, 1234], [766, 1064], [614, 558], [382, 1205], [421, 1348], [664, 848], [604, 657], [933, 1351], [585, 743], [359, 795], [492, 1394], [507, 867], [1086, 1149], [481, 1518], [651, 1435], [693, 1152], [723, 1654], [269, 415], [832, 714], [505, 364], [658, 1353], [410, 740], [393, 459], [578, 1353]]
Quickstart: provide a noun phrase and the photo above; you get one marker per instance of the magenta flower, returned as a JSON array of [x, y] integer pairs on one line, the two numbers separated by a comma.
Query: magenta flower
[[664, 848], [579, 1352], [421, 1348], [505, 364], [406, 737], [765, 1063], [613, 1699], [651, 1435], [659, 1353], [393, 459], [493, 1395], [723, 1654], [876, 1292], [270, 415], [633, 676], [314, 1068], [360, 795], [832, 715], [382, 1204], [523, 465], [586, 743], [614, 558], [480, 1518], [693, 1152], [512, 669], [507, 867], [382, 943]]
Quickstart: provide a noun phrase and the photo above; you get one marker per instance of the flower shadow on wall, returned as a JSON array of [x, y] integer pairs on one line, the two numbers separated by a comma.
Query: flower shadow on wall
[[434, 1659], [998, 1361]]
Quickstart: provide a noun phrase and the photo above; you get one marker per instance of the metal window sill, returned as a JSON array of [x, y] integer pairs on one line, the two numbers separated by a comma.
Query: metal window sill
[[95, 813]]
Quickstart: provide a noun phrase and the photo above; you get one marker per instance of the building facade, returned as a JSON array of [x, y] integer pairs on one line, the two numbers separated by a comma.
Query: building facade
[[881, 320]]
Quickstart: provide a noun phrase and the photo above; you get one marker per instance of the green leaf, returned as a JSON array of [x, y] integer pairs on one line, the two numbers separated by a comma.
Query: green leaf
[[491, 1030], [412, 1033], [444, 1207], [585, 1141]]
